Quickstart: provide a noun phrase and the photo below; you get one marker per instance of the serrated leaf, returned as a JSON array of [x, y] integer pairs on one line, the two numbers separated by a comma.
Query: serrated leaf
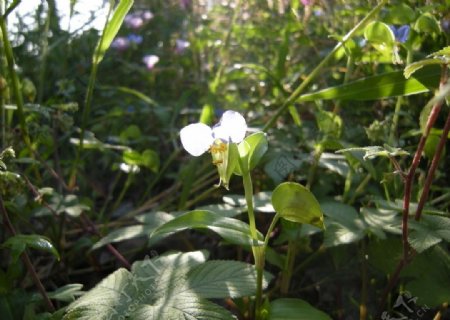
[[296, 203], [111, 29], [188, 308], [218, 279], [232, 230], [430, 231], [20, 242], [382, 86], [295, 309]]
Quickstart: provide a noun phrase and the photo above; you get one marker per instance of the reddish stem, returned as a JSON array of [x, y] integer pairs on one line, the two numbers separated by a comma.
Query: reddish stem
[[433, 167]]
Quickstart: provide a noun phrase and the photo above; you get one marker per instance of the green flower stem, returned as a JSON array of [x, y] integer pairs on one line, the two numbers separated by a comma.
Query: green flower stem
[[294, 96], [258, 252], [288, 267]]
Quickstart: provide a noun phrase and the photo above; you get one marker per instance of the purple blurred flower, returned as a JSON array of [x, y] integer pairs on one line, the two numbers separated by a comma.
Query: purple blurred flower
[[137, 19], [401, 33], [120, 43], [306, 2], [184, 4], [150, 61], [134, 22], [135, 38], [181, 46], [146, 15]]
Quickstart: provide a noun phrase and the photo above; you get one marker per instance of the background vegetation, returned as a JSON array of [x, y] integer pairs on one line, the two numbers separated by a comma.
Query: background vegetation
[[92, 169]]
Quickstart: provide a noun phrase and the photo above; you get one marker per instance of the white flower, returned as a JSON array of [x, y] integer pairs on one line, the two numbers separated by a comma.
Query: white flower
[[197, 138], [150, 61]]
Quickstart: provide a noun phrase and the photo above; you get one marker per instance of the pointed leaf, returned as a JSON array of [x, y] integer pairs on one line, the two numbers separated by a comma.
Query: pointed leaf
[[382, 86], [111, 29], [219, 279], [296, 203], [232, 230], [20, 242]]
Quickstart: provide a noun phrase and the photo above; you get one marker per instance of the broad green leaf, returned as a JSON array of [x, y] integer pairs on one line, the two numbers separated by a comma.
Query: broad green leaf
[[384, 254], [20, 242], [224, 210], [343, 226], [296, 203], [190, 308], [111, 29], [413, 67], [427, 23], [382, 86], [232, 230], [294, 309], [120, 293], [218, 279], [428, 277], [430, 231], [379, 33], [150, 160], [261, 201], [400, 14]]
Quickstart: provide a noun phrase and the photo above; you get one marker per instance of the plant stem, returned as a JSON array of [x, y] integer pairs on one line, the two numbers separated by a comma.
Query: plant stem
[[15, 83], [293, 97], [26, 259], [258, 252], [433, 167]]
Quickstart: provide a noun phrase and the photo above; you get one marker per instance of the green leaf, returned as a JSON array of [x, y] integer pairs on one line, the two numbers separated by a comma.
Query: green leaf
[[232, 230], [67, 293], [413, 67], [151, 222], [329, 123], [218, 279], [343, 226], [111, 29], [372, 152], [295, 309], [20, 242], [182, 308], [148, 159], [400, 14], [258, 147], [296, 203], [379, 33], [251, 150], [430, 231], [427, 23], [382, 86], [428, 277]]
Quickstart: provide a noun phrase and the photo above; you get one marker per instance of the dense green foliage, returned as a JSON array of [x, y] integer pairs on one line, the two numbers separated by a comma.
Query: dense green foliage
[[335, 205]]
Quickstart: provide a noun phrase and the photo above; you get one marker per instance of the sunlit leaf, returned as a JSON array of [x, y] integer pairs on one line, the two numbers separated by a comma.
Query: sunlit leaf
[[382, 86], [296, 203], [111, 29], [20, 242], [232, 230]]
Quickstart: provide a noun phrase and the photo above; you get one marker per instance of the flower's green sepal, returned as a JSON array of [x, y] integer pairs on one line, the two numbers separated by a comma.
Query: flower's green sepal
[[251, 150]]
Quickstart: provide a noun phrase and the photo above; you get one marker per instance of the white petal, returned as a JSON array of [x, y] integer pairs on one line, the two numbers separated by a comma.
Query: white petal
[[232, 126], [196, 138]]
